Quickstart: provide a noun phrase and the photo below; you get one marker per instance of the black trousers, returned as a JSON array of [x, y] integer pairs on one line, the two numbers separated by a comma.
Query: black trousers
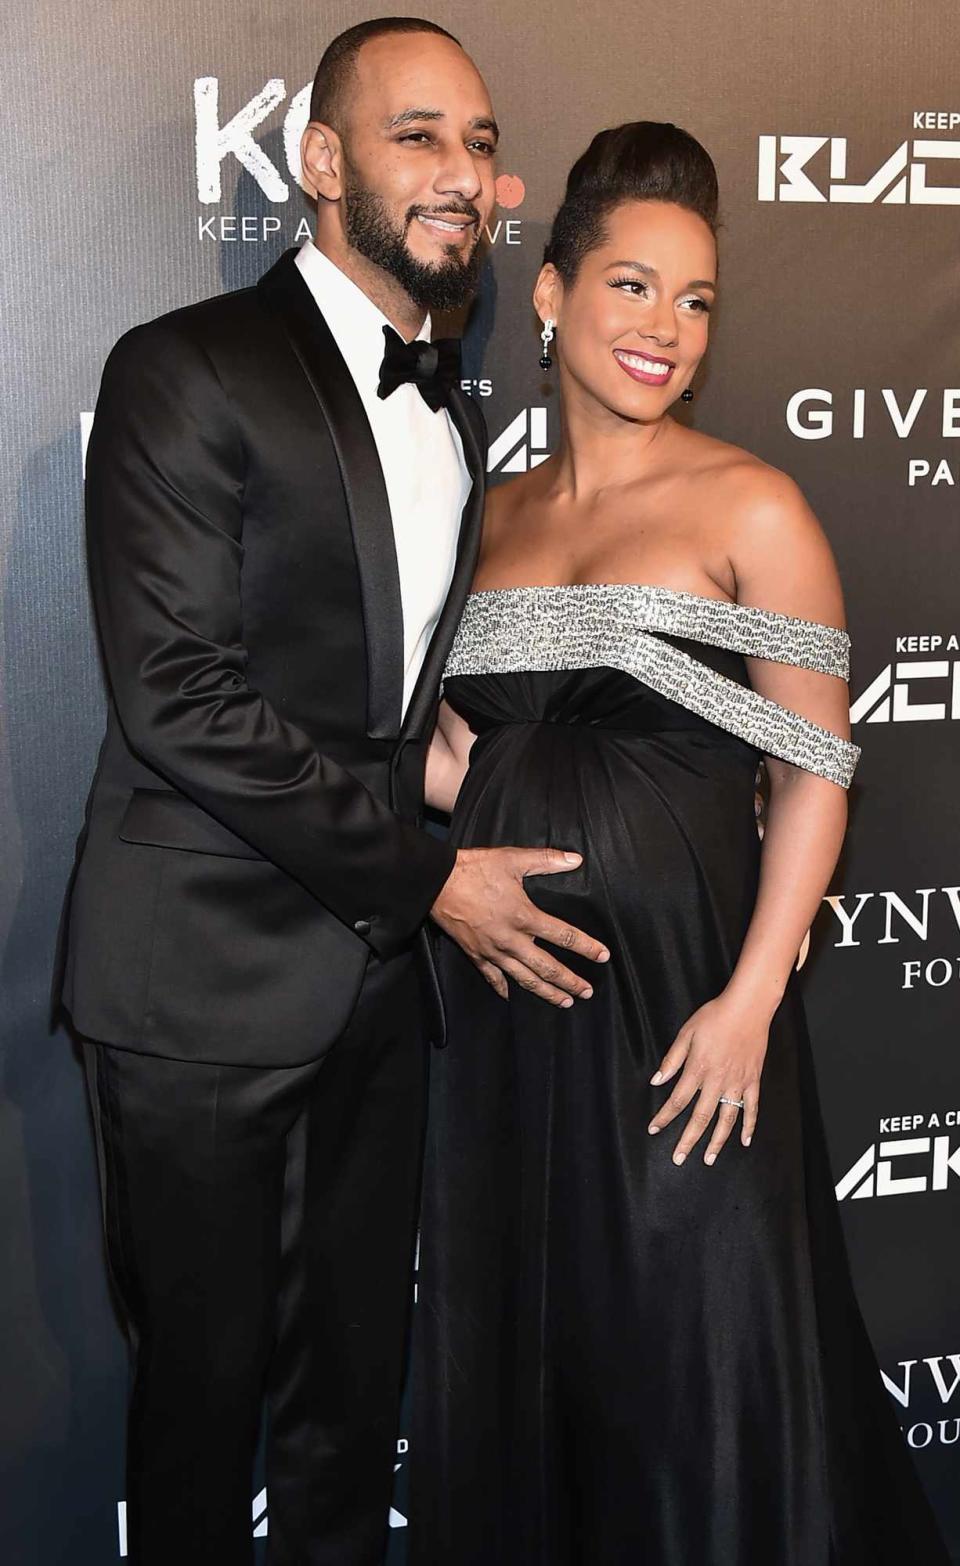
[[260, 1227]]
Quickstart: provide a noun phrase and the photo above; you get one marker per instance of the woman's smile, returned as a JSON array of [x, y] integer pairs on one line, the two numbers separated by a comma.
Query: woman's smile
[[648, 368]]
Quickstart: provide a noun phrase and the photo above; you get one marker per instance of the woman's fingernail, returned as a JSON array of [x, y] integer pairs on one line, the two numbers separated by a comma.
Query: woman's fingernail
[[586, 994], [572, 859], [679, 1157], [709, 1158], [653, 1129], [747, 1140], [603, 956], [657, 1077], [566, 1002]]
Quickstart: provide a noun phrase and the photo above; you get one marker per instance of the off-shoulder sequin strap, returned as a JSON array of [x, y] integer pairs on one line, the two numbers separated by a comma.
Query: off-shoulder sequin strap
[[761, 633], [517, 629]]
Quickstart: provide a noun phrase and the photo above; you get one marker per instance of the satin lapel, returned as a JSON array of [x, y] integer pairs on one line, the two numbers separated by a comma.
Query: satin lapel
[[363, 485], [468, 547]]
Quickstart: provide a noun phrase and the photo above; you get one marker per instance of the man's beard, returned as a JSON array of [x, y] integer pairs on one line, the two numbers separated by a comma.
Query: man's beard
[[445, 285]]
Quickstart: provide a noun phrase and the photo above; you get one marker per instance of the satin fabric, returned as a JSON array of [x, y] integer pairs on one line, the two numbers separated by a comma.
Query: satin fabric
[[260, 1228], [433, 367], [619, 1359], [245, 581]]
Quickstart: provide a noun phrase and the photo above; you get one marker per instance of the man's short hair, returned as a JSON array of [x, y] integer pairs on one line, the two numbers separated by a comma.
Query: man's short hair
[[331, 85]]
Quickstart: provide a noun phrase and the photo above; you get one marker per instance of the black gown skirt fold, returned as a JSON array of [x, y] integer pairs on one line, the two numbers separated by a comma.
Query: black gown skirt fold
[[619, 1360]]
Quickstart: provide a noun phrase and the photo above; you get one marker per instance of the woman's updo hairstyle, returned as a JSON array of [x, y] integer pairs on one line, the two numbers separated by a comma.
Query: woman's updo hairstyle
[[648, 160]]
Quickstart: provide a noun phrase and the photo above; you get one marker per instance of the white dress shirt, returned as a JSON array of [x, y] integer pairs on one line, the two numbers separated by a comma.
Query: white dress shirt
[[420, 452]]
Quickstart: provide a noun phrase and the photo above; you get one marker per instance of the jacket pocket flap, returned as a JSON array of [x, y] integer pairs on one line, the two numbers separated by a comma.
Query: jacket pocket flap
[[165, 820]]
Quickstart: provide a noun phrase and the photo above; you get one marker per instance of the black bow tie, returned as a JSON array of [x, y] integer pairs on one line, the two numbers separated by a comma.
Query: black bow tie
[[432, 367]]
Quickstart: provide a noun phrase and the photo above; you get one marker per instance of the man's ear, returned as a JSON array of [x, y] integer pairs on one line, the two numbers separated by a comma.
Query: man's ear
[[321, 160]]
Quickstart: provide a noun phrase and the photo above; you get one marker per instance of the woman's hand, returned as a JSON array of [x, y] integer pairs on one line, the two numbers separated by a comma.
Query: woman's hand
[[721, 1049]]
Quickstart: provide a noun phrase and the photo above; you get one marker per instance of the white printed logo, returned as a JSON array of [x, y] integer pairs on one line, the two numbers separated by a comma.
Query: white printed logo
[[933, 972], [922, 1163], [259, 1511], [894, 695], [902, 178], [811, 413], [214, 141], [944, 1432], [522, 445], [260, 1515]]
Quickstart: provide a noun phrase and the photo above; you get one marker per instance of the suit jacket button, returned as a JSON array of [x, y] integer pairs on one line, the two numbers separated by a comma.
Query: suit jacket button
[[362, 926]]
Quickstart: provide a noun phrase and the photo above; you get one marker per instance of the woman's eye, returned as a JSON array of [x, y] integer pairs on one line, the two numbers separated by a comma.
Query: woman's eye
[[624, 283], [701, 306]]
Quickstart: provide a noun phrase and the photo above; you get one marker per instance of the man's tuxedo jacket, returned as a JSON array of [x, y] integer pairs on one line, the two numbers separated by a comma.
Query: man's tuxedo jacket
[[253, 830]]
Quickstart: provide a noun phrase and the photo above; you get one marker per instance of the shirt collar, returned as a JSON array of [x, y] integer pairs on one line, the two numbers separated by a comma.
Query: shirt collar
[[353, 318]]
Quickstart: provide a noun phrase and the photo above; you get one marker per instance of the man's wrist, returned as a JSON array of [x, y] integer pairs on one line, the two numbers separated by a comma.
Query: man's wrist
[[435, 905]]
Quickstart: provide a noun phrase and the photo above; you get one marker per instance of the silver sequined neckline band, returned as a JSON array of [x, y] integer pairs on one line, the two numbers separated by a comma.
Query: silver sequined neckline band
[[608, 625]]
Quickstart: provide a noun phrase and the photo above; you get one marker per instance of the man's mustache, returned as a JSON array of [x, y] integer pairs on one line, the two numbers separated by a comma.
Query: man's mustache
[[467, 212]]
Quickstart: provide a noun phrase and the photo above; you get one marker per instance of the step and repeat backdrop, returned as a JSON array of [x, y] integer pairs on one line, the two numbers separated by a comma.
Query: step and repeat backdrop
[[152, 160]]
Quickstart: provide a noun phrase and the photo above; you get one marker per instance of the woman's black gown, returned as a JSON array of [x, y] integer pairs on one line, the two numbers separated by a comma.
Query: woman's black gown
[[618, 1359]]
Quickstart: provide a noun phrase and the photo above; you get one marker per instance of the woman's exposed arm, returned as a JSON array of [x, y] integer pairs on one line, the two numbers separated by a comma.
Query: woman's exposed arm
[[786, 564], [806, 822], [783, 562], [447, 759]]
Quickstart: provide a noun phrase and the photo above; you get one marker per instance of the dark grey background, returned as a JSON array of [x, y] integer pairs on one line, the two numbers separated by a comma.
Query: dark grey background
[[102, 221]]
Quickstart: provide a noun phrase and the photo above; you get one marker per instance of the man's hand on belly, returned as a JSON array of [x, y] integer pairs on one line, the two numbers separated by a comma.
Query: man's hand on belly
[[484, 908]]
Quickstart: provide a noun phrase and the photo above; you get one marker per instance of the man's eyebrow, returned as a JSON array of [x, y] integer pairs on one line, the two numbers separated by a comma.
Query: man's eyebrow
[[651, 271], [488, 123], [408, 116]]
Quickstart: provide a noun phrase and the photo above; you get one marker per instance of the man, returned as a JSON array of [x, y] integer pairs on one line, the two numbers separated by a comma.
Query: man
[[284, 504]]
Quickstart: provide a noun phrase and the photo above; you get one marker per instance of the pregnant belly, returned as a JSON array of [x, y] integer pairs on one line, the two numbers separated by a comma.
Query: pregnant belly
[[665, 823]]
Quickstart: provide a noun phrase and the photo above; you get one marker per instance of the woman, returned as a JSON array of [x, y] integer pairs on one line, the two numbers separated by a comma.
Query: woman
[[622, 1357]]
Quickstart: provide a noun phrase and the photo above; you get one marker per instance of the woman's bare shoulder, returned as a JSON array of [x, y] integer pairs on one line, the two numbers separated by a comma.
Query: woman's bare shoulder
[[780, 552], [778, 549], [711, 460], [746, 493]]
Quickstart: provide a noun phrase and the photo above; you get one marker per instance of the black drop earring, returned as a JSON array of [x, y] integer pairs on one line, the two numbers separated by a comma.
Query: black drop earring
[[687, 394], [546, 337]]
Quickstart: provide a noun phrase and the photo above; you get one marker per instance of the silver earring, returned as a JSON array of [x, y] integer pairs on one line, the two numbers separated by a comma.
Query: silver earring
[[546, 337]]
